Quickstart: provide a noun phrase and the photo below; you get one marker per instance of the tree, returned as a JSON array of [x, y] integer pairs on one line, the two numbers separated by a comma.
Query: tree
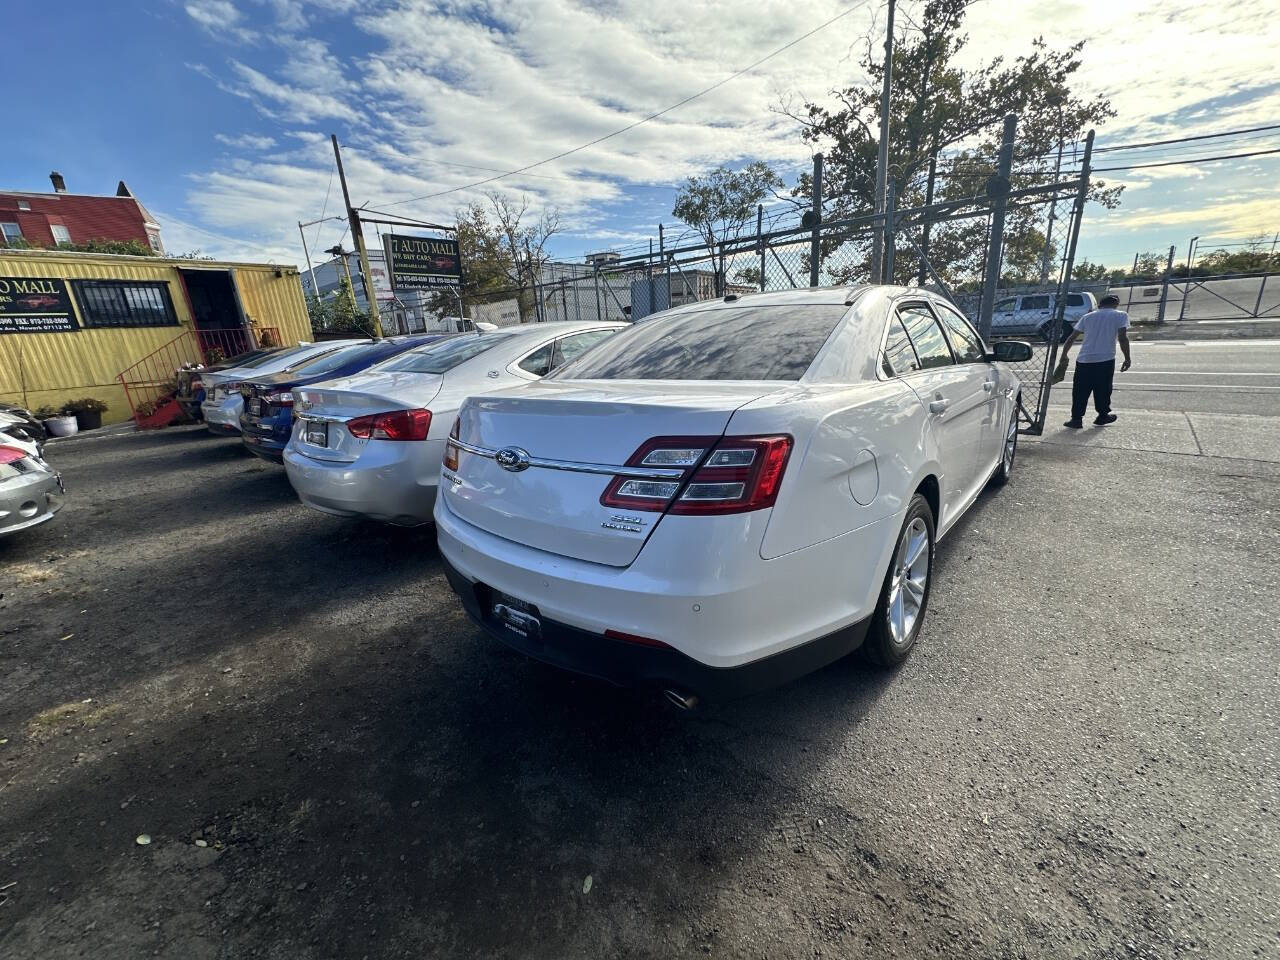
[[1087, 272], [501, 252], [339, 313], [938, 105], [719, 204]]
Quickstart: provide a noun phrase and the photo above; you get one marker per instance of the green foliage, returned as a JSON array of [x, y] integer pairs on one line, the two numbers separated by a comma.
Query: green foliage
[[501, 247], [195, 254], [131, 248], [721, 203], [339, 313], [84, 405], [748, 276], [45, 412], [937, 105], [1088, 272]]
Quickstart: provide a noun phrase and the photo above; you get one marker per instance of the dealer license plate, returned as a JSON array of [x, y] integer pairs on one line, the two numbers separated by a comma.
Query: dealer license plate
[[318, 434], [516, 615]]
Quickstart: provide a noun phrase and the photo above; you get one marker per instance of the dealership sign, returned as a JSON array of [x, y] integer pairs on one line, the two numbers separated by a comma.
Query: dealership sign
[[35, 305], [422, 263]]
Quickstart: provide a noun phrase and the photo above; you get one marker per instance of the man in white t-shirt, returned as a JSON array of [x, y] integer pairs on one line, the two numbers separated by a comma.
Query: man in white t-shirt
[[1096, 362]]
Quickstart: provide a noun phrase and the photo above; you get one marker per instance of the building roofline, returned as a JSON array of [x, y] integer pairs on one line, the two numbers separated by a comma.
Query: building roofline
[[73, 255]]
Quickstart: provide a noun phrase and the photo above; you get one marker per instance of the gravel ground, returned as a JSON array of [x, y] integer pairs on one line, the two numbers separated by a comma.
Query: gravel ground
[[1080, 760]]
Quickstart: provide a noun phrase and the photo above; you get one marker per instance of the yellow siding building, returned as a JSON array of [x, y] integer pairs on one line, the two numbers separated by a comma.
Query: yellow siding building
[[72, 324]]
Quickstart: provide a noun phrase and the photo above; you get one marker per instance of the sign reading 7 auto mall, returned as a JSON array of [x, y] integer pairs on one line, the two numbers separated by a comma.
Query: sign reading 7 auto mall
[[422, 263], [35, 305]]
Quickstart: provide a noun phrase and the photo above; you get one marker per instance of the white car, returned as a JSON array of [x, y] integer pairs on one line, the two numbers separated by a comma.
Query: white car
[[1031, 314], [731, 493], [370, 444], [223, 404]]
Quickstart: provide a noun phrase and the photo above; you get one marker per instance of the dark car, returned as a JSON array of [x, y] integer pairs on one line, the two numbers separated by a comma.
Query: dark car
[[191, 391], [267, 419]]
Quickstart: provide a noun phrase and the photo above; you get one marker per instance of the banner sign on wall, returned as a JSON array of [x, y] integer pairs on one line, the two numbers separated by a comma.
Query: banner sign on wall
[[422, 263], [35, 305]]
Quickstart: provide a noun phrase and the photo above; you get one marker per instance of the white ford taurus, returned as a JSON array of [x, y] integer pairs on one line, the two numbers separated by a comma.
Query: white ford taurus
[[732, 493]]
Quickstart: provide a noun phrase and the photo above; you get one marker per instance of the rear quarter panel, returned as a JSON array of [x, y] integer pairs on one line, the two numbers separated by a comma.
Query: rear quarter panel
[[859, 453]]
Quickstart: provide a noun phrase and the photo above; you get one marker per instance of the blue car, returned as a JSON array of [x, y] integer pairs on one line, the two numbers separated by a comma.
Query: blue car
[[267, 419]]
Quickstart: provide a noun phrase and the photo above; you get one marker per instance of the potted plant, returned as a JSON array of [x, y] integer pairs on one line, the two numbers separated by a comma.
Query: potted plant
[[87, 411], [56, 423]]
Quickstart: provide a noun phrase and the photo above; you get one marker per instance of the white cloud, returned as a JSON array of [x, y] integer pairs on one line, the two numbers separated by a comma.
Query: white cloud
[[438, 93], [246, 141], [221, 18]]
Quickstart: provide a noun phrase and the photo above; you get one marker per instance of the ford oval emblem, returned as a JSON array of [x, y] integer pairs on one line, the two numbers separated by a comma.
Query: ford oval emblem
[[512, 458]]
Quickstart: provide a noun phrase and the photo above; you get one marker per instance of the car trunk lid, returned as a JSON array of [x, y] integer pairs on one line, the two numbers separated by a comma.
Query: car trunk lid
[[325, 409], [588, 427]]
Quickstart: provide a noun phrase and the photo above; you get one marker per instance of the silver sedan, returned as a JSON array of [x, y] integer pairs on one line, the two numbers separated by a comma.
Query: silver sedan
[[371, 444], [31, 491]]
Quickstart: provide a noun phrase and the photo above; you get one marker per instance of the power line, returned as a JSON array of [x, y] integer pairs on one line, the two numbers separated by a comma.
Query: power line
[[1203, 136], [1171, 163], [643, 120]]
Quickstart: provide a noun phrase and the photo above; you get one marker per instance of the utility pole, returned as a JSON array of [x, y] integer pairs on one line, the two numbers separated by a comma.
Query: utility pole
[[1053, 208], [815, 238], [357, 234], [882, 161], [315, 288], [998, 191]]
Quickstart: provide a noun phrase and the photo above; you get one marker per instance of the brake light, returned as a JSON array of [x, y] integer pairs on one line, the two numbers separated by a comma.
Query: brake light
[[282, 399], [11, 454], [720, 475], [393, 425], [638, 640], [451, 449]]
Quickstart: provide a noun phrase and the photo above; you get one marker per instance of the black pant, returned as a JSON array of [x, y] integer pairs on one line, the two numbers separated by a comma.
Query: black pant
[[1092, 378]]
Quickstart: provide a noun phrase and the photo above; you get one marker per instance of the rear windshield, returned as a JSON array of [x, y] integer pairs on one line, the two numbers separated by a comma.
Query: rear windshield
[[258, 357], [731, 343], [444, 355], [340, 357]]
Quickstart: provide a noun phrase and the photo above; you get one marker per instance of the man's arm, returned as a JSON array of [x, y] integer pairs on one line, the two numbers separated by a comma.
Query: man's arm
[[1123, 337], [1066, 346]]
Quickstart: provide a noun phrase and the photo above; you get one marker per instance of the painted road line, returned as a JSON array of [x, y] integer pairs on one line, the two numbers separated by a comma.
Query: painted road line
[[1195, 387], [1204, 373]]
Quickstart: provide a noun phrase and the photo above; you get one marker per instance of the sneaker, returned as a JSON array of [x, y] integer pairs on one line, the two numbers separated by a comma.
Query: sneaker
[[1103, 419], [1074, 424]]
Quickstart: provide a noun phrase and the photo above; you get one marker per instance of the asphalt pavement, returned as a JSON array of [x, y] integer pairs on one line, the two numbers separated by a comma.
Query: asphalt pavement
[[233, 727]]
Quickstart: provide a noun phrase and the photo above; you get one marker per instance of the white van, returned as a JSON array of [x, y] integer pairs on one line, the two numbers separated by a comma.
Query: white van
[[1032, 313]]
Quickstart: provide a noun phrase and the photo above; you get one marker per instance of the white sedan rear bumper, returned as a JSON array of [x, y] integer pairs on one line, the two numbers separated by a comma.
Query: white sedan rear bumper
[[699, 585]]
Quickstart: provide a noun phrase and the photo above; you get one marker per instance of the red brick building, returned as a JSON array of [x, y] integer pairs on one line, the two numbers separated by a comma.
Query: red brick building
[[48, 219]]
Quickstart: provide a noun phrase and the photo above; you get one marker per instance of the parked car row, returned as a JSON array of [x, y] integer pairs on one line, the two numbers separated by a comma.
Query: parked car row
[[716, 498], [31, 491]]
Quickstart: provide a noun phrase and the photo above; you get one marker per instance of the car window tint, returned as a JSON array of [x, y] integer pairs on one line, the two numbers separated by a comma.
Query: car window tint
[[256, 358], [1035, 303], [539, 362], [575, 345], [926, 336], [965, 343], [442, 355], [726, 343], [1007, 305], [899, 355], [1075, 300]]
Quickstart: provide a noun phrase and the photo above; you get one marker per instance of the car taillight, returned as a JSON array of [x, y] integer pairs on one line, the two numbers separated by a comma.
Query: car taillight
[[451, 449], [284, 398], [394, 425], [11, 454], [720, 475]]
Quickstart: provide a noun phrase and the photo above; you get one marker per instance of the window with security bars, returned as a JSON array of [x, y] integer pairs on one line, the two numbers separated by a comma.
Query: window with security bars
[[113, 303]]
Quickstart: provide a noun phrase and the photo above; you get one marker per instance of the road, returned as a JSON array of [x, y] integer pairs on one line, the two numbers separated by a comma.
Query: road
[[1204, 376]]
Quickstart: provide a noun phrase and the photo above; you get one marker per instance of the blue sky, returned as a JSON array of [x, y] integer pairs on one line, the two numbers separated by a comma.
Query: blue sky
[[217, 112]]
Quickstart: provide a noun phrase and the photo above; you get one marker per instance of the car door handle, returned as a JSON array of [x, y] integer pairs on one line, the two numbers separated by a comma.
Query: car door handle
[[939, 406], [988, 385]]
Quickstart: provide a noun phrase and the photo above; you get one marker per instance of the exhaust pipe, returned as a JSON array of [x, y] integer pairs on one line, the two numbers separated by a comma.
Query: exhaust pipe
[[685, 701]]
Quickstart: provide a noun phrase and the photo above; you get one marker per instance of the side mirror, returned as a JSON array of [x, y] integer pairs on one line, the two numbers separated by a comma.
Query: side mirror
[[1011, 351]]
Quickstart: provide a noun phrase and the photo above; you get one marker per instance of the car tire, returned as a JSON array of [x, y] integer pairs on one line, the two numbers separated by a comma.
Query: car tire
[[894, 627], [1008, 452]]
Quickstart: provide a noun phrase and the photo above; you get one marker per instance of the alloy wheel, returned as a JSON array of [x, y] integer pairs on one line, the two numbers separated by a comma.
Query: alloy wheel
[[1011, 443], [910, 577]]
